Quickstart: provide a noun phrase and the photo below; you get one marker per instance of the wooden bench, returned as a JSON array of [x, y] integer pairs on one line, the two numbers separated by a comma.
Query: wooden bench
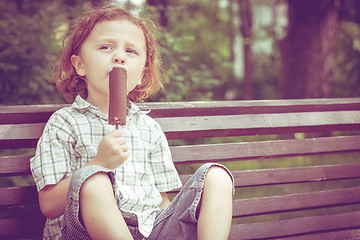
[[296, 163]]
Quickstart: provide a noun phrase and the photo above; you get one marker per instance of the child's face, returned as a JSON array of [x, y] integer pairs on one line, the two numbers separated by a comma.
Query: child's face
[[111, 42]]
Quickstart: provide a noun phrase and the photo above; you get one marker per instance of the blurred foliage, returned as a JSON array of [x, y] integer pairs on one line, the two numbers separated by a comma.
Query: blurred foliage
[[196, 50], [196, 47], [30, 42], [347, 62], [27, 49], [347, 52]]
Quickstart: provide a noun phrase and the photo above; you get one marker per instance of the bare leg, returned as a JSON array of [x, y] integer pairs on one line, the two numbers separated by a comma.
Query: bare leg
[[99, 211], [216, 206]]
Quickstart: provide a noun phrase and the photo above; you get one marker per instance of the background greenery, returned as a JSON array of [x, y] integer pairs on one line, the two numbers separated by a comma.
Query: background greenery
[[196, 49]]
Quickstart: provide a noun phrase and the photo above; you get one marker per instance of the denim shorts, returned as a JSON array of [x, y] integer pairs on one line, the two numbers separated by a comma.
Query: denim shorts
[[177, 221]]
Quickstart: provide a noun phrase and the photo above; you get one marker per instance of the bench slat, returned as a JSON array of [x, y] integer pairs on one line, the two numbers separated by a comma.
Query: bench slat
[[230, 151], [251, 178], [304, 104], [21, 131], [268, 229], [340, 235], [18, 143], [41, 113], [192, 127], [17, 195], [27, 113], [294, 202], [259, 121], [213, 108], [247, 150], [237, 125], [24, 227], [20, 165], [15, 165], [292, 227]]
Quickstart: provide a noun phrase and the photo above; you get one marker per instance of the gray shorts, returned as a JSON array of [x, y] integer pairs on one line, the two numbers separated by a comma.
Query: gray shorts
[[177, 221]]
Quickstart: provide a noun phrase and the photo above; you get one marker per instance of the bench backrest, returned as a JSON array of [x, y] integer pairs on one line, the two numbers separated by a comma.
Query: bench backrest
[[286, 185]]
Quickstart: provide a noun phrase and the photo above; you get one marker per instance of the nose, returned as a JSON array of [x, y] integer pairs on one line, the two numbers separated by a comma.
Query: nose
[[119, 58]]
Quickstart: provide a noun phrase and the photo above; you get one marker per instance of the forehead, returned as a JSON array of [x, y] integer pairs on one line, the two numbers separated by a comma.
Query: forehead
[[118, 29]]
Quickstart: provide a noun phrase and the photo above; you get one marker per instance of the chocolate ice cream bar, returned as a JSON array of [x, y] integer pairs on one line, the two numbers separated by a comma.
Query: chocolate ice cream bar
[[117, 96]]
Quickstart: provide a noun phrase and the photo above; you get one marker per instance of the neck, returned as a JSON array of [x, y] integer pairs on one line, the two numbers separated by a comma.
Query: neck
[[101, 104]]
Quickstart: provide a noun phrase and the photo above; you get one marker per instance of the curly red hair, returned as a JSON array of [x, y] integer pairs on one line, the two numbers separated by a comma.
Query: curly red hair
[[71, 84]]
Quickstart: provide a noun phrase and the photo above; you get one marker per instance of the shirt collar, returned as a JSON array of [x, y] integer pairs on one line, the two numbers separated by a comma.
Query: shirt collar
[[82, 104]]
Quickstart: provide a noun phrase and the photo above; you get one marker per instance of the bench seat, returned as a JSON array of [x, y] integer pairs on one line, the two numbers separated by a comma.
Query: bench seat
[[296, 163]]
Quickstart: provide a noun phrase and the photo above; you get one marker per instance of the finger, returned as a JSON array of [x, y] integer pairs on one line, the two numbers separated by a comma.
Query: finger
[[120, 149], [120, 141], [125, 155], [115, 133], [125, 148]]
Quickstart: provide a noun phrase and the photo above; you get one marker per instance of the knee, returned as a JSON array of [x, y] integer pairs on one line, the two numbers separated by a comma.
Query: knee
[[219, 178], [85, 173], [99, 178]]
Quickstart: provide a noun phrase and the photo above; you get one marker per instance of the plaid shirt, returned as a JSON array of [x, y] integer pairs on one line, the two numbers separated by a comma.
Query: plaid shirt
[[70, 140]]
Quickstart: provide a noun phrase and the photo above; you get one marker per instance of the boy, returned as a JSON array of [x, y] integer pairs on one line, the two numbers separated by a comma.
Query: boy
[[98, 183]]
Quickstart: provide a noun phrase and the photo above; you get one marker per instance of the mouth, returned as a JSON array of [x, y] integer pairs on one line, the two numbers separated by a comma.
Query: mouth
[[116, 65]]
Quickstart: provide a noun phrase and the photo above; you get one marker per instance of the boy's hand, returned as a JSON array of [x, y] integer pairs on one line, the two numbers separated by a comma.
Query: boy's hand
[[112, 151]]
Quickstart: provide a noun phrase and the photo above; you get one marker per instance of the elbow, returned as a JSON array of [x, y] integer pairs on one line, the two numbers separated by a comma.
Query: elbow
[[47, 210], [47, 205]]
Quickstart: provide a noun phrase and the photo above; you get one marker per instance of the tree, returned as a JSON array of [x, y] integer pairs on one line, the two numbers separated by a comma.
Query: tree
[[246, 32], [347, 51], [307, 50], [161, 6]]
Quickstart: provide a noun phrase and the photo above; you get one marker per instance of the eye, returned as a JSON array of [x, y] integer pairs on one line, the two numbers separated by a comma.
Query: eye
[[106, 47], [133, 51]]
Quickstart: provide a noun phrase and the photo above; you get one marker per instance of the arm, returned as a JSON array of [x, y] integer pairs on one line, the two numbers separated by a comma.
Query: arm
[[112, 152], [52, 198], [165, 202], [162, 166]]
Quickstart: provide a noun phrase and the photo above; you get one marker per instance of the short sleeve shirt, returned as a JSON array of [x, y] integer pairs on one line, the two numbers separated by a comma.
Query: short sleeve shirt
[[70, 140]]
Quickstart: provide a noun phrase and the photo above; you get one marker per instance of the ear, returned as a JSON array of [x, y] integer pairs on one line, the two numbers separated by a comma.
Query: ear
[[78, 65]]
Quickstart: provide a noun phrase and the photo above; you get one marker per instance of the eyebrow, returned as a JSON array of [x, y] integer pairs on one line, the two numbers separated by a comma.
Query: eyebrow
[[102, 40], [111, 40]]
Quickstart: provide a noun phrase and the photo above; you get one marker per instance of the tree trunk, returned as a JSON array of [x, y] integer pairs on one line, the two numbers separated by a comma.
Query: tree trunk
[[246, 32], [237, 51], [357, 7], [307, 50], [161, 5]]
